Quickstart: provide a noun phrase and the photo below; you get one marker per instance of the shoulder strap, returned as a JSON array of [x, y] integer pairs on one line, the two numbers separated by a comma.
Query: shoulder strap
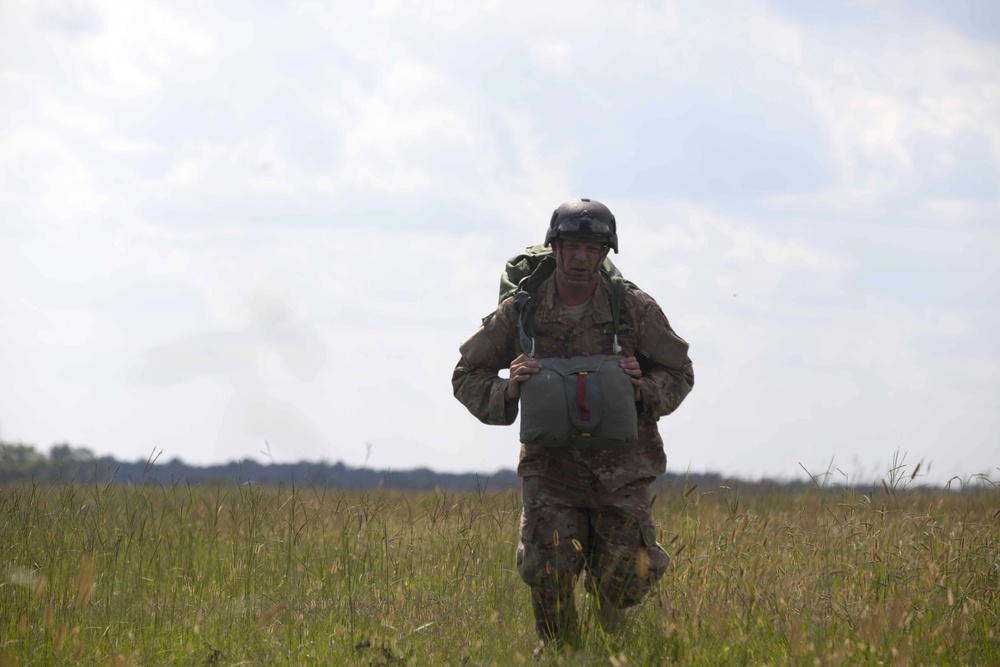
[[619, 286], [525, 302]]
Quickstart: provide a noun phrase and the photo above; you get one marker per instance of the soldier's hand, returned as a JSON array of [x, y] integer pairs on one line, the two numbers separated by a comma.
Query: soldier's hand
[[634, 371], [521, 369]]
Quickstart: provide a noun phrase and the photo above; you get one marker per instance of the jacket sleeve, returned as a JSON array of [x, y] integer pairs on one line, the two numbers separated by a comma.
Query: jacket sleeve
[[667, 373], [475, 381]]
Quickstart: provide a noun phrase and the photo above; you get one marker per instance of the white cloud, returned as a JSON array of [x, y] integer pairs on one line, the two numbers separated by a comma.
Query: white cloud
[[87, 121], [556, 57], [283, 226], [522, 196], [749, 245], [51, 180], [138, 45], [777, 38], [384, 135], [131, 147], [927, 84], [411, 79]]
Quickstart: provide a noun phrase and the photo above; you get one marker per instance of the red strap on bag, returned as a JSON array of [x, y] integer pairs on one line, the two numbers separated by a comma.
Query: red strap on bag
[[581, 396]]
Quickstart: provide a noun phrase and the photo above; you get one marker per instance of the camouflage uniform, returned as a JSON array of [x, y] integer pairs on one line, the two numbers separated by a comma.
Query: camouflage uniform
[[585, 509]]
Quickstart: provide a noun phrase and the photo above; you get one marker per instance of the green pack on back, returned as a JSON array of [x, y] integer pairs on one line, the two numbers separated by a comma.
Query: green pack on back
[[526, 270]]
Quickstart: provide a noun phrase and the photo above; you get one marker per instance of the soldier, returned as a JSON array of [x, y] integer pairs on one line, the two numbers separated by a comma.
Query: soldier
[[586, 506]]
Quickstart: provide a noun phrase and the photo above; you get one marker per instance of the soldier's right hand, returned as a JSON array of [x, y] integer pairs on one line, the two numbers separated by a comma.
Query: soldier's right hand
[[521, 369]]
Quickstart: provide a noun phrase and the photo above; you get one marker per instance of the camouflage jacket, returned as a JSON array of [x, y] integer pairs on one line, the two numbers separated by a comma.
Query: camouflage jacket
[[667, 377]]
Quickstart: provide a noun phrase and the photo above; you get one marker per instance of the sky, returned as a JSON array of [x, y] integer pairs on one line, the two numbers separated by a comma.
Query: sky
[[261, 230]]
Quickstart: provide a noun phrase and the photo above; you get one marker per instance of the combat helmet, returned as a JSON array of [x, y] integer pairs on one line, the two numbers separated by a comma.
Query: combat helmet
[[585, 220]]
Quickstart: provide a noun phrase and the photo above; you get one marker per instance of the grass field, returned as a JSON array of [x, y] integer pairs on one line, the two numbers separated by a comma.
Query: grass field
[[202, 575]]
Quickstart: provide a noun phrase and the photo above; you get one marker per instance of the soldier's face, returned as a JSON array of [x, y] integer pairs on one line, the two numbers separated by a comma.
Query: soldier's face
[[579, 261]]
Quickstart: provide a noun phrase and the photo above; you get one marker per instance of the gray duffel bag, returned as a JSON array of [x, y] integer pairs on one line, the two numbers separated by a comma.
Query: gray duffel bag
[[586, 401]]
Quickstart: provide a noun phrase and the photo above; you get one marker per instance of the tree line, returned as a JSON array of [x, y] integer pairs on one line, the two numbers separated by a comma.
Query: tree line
[[65, 463]]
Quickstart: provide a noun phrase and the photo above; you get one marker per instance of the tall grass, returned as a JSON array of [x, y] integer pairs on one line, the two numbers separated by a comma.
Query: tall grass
[[226, 575]]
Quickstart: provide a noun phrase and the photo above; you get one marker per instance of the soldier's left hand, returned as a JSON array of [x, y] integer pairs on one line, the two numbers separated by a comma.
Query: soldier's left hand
[[631, 367]]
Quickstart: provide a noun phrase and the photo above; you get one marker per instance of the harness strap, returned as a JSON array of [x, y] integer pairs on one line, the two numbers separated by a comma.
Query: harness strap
[[522, 299], [618, 289]]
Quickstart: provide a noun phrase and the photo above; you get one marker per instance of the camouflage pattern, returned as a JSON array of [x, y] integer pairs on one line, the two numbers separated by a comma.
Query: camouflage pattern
[[585, 509], [667, 377], [568, 531]]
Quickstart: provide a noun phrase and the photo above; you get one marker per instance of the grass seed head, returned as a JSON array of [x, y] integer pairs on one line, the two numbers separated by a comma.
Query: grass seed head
[[85, 583], [59, 639]]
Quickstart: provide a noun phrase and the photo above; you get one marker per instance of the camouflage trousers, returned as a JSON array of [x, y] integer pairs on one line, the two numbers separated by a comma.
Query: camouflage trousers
[[566, 532]]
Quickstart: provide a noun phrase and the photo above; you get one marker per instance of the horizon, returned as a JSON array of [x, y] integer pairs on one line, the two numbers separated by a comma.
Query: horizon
[[902, 475]]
